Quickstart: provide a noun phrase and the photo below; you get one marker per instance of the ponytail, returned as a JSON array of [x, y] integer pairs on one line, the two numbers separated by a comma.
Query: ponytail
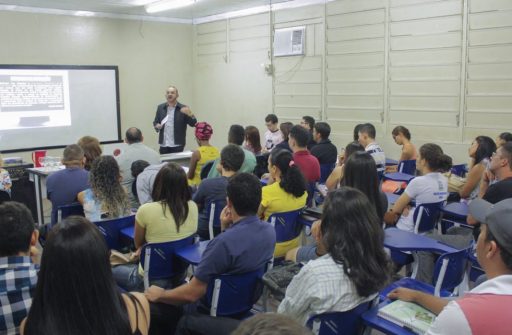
[[292, 179]]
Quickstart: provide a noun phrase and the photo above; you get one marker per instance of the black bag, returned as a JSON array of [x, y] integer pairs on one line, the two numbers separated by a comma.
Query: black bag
[[278, 278]]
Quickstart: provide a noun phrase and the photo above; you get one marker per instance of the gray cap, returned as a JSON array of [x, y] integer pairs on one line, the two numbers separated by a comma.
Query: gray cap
[[498, 218]]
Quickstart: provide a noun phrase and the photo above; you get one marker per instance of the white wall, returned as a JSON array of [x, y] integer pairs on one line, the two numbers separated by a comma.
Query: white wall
[[150, 56], [443, 68]]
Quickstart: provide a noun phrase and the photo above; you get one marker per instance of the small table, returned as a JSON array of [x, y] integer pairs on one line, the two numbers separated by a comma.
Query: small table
[[38, 177], [371, 319], [192, 254], [456, 210], [402, 240], [399, 176], [390, 162], [392, 198], [181, 158]]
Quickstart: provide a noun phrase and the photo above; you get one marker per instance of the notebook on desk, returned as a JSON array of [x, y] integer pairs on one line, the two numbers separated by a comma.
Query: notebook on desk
[[408, 315]]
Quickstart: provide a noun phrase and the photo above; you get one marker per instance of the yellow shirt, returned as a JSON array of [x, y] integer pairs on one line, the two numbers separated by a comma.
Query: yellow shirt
[[160, 228], [208, 153], [275, 199]]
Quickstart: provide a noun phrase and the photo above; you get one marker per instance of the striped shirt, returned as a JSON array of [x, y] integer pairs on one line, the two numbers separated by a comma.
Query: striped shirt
[[321, 286], [378, 155], [18, 278]]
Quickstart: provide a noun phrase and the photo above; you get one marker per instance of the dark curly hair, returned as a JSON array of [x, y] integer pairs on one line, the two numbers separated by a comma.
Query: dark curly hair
[[104, 179]]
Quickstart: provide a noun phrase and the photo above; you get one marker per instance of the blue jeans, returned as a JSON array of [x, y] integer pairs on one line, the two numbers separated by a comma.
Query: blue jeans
[[127, 277]]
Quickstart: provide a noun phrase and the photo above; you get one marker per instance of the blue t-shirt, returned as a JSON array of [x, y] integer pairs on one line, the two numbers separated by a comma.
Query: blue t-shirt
[[244, 247], [209, 190], [63, 186]]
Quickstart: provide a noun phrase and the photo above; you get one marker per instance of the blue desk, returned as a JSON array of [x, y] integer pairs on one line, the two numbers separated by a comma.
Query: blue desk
[[399, 176], [456, 210], [390, 161], [192, 254], [392, 198], [401, 240], [128, 232], [371, 319]]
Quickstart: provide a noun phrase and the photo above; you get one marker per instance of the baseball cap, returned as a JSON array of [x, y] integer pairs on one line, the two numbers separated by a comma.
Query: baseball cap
[[498, 218]]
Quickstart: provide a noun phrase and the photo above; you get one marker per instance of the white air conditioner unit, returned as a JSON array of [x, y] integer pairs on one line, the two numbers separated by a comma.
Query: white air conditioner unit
[[289, 41]]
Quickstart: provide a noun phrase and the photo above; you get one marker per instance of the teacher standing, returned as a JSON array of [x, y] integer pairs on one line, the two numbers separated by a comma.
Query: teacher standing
[[171, 121]]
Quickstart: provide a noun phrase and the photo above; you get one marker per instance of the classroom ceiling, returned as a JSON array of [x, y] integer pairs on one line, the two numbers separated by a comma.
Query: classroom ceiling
[[201, 8]]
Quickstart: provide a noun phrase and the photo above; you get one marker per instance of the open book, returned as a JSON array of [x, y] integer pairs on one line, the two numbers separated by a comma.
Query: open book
[[408, 315]]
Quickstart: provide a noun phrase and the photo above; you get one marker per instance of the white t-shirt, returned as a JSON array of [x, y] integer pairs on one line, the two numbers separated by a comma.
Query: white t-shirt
[[378, 155], [427, 189], [272, 139]]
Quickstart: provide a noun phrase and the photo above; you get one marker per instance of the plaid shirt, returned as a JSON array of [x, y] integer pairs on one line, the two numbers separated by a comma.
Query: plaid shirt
[[18, 278]]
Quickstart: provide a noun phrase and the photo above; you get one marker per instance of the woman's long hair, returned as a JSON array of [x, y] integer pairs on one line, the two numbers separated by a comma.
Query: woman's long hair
[[252, 136], [436, 160], [292, 179], [486, 147], [171, 190], [76, 293], [104, 178], [353, 236], [361, 173]]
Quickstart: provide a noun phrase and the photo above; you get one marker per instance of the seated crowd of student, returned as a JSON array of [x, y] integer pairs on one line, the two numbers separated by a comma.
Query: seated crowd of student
[[75, 289]]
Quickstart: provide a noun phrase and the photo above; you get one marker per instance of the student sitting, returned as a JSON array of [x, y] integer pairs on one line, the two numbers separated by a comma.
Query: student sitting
[[252, 140], [203, 154], [486, 308], [171, 217], [307, 163], [286, 193], [92, 150], [5, 182], [355, 267], [63, 186], [402, 136], [76, 293], [285, 131], [336, 175], [503, 138], [236, 135], [273, 135], [106, 198], [245, 245], [480, 153], [18, 274], [367, 135], [430, 187], [214, 189], [324, 150], [361, 174]]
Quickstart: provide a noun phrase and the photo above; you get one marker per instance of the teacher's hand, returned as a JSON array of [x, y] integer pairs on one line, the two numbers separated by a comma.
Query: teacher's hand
[[158, 126], [186, 110]]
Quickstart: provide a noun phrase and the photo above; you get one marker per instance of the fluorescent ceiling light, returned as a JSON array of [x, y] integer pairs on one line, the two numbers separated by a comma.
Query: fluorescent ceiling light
[[164, 5]]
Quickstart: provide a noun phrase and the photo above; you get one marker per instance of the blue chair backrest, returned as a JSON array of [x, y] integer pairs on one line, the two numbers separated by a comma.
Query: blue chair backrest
[[67, 210], [426, 216], [286, 225], [234, 294], [111, 229], [459, 169], [213, 210], [311, 189], [338, 323], [159, 260], [407, 166], [450, 269], [325, 171], [205, 169]]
